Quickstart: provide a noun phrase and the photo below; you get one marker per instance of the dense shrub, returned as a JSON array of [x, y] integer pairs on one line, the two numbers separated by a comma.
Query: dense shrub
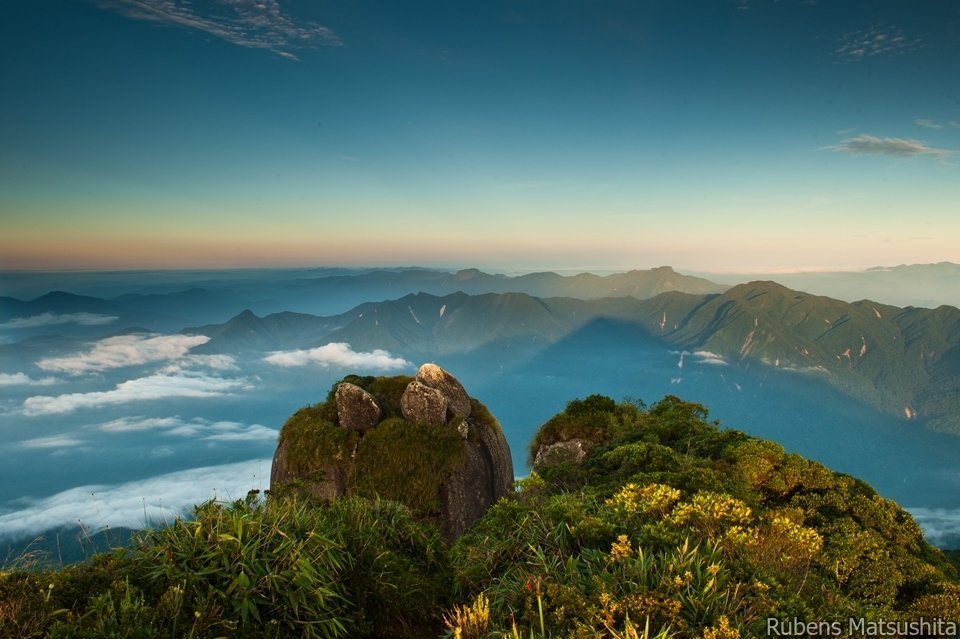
[[248, 569]]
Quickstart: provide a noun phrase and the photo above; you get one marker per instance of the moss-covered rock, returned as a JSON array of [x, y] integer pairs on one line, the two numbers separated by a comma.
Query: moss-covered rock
[[447, 462]]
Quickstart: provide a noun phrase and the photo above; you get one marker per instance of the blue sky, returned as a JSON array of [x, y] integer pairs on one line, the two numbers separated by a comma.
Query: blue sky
[[722, 135]]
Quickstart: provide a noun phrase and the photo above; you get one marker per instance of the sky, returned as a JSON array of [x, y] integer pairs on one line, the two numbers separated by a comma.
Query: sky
[[721, 135]]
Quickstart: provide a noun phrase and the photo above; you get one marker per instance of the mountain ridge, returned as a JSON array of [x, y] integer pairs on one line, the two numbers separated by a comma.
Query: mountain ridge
[[903, 361]]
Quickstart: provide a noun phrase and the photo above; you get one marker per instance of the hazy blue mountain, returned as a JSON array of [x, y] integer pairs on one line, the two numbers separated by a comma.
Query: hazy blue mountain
[[215, 297], [247, 332], [925, 285], [60, 312]]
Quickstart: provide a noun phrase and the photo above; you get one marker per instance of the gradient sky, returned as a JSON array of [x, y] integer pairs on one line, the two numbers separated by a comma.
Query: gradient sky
[[720, 135]]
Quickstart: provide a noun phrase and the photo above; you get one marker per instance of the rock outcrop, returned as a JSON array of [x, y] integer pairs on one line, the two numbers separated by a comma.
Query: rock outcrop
[[458, 402], [424, 405], [356, 408], [422, 441], [571, 450]]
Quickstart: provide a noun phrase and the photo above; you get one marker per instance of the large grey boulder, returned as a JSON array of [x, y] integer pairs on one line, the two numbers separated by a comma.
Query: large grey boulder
[[571, 450], [485, 476], [356, 408], [423, 405], [497, 449], [458, 402]]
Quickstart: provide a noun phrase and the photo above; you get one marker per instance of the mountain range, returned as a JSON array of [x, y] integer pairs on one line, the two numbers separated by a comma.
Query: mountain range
[[902, 361]]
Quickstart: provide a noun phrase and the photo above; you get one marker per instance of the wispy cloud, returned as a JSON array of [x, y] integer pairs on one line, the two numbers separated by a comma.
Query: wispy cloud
[[875, 41], [158, 499], [222, 431], [928, 124], [139, 424], [213, 362], [338, 354], [707, 357], [257, 24], [124, 350], [896, 147], [53, 319], [235, 432], [940, 525], [55, 441], [22, 379], [159, 386]]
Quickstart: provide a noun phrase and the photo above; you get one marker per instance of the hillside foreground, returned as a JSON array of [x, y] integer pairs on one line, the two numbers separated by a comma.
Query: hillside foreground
[[638, 521]]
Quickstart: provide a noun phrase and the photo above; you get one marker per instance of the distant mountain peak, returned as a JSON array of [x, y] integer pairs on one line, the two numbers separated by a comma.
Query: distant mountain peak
[[245, 316], [468, 274]]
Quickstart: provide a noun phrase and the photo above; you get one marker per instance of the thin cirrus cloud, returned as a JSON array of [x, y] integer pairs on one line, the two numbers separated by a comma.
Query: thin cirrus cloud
[[338, 354], [124, 350], [153, 387], [895, 147], [137, 503], [928, 124], [55, 319], [879, 40], [256, 24]]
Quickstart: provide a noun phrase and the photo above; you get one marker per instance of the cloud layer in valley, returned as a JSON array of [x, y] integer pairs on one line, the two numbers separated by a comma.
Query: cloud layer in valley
[[941, 526], [124, 350], [158, 499], [198, 428], [152, 387], [53, 319], [338, 354]]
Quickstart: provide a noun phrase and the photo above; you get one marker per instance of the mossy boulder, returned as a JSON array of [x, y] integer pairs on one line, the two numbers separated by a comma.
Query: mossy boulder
[[422, 442]]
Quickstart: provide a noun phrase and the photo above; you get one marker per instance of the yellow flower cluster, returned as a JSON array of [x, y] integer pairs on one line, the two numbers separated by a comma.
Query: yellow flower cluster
[[646, 500], [721, 631], [470, 622], [712, 512], [621, 548], [798, 542]]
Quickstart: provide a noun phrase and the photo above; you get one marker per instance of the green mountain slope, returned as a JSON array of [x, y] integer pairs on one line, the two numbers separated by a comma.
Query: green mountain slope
[[903, 361]]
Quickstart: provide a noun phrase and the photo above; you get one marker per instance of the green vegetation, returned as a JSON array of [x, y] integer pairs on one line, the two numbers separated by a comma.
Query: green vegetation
[[406, 462], [387, 391], [247, 569], [669, 528], [315, 441]]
